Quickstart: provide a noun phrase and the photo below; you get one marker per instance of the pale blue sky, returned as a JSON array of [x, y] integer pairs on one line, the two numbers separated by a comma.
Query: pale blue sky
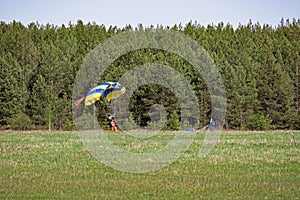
[[151, 12]]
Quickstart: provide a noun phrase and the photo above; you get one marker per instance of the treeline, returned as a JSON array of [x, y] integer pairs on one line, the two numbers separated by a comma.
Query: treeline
[[259, 65]]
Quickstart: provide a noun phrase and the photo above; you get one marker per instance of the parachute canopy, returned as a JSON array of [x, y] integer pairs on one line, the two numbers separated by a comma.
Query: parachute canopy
[[110, 90]]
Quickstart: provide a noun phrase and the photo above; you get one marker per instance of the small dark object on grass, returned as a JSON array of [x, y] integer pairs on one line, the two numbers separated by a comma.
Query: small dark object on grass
[[293, 138]]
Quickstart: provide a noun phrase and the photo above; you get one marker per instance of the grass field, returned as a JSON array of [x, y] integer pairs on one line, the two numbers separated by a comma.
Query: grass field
[[243, 165]]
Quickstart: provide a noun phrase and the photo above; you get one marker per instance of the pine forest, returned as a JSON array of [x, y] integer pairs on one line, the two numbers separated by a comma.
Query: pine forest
[[259, 65]]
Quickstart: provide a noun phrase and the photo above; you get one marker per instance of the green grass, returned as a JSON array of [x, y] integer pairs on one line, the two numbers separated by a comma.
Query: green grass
[[243, 165]]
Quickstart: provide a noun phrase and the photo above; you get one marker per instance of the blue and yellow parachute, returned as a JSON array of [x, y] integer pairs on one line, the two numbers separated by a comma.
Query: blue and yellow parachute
[[110, 90]]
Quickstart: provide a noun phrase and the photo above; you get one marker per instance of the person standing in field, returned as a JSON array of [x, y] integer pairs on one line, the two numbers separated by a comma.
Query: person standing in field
[[212, 124], [113, 124]]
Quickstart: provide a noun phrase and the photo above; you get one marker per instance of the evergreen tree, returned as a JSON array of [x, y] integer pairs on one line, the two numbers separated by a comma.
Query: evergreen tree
[[13, 94], [40, 103]]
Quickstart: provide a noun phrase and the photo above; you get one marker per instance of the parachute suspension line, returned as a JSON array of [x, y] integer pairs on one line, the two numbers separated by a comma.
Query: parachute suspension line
[[94, 112]]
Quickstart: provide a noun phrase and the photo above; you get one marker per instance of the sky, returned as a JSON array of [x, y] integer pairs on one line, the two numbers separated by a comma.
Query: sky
[[149, 12]]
